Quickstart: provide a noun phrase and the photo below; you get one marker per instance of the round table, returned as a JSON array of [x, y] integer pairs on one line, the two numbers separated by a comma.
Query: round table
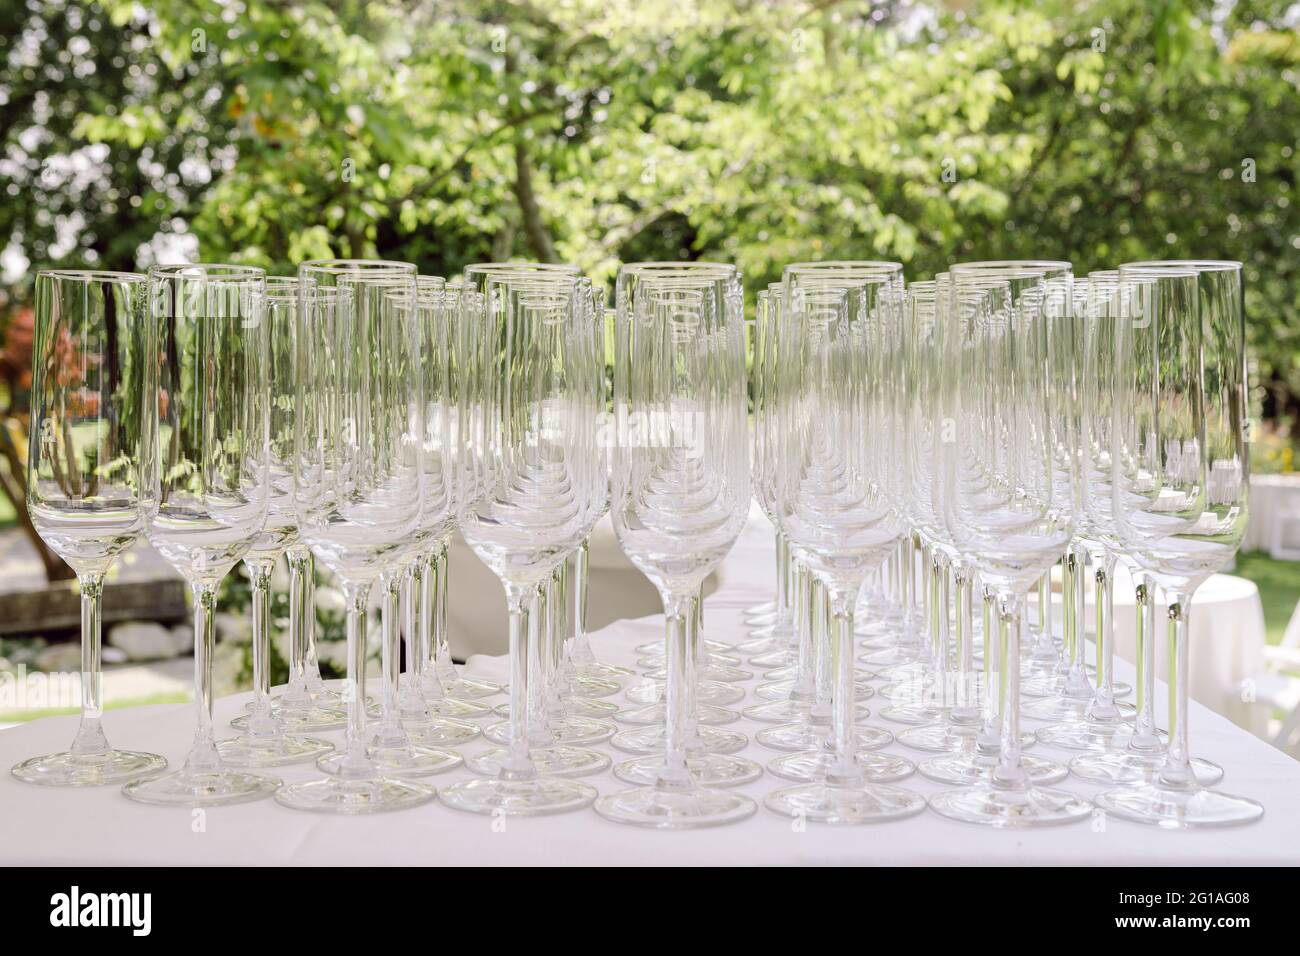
[[1270, 497]]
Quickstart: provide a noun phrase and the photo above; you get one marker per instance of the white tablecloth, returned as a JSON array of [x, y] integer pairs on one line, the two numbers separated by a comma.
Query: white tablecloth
[[42, 825], [1227, 641], [1270, 497]]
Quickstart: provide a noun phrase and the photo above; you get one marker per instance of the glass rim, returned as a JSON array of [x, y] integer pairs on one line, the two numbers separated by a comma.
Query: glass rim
[[355, 266], [92, 275], [1013, 265], [830, 265], [1193, 265], [694, 264], [216, 271]]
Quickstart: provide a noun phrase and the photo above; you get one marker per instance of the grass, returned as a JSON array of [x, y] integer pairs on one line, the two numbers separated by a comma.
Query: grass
[[1279, 588], [22, 716]]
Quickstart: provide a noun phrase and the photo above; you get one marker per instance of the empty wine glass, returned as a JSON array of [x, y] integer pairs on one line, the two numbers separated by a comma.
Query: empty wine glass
[[207, 404], [1000, 365], [264, 742], [1180, 492], [679, 500], [87, 464], [838, 494], [537, 475], [358, 487]]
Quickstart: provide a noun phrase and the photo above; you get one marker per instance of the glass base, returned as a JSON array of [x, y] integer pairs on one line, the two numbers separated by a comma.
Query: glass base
[[349, 796], [1133, 767], [845, 805], [557, 761], [813, 765], [412, 761], [519, 798], [89, 770], [571, 707], [706, 692], [1028, 806], [315, 718], [598, 670], [1087, 735], [650, 740], [794, 711], [575, 731], [1179, 809], [914, 714], [946, 737], [274, 751], [785, 656], [652, 714], [471, 688], [780, 690], [861, 676], [706, 770], [763, 644], [440, 732], [1055, 685], [456, 709], [898, 654], [803, 735], [710, 671], [668, 809], [201, 788], [969, 767], [654, 665], [591, 687], [1055, 709], [656, 648]]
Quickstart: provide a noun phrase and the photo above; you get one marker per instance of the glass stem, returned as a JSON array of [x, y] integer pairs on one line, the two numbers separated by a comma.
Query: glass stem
[[390, 652], [1045, 645], [582, 652], [805, 681], [844, 771], [1145, 737], [1177, 771], [356, 762], [824, 667], [441, 643], [674, 774], [432, 678], [1076, 682], [1103, 705], [694, 656], [260, 721], [296, 693], [518, 764], [1009, 773], [538, 634], [411, 627], [311, 663], [203, 755], [989, 740], [965, 708], [90, 738]]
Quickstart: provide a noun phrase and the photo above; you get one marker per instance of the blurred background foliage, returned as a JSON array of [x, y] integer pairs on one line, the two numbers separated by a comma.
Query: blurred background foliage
[[601, 131]]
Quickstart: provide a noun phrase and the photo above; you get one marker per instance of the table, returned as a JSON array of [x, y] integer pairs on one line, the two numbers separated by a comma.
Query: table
[[1228, 637], [49, 826], [1270, 497]]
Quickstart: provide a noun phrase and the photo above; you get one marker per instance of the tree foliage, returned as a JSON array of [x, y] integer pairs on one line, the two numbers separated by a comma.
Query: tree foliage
[[600, 131]]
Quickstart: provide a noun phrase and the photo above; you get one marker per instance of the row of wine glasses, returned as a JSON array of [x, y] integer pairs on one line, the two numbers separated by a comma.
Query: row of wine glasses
[[917, 449]]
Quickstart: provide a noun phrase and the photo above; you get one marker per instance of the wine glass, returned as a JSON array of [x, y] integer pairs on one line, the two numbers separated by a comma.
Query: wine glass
[[679, 500], [86, 470], [1180, 485], [536, 476], [358, 487], [839, 496], [207, 419], [1000, 369], [264, 742]]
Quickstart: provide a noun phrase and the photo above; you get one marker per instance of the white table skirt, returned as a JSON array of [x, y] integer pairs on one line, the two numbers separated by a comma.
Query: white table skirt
[[51, 826], [1228, 637], [1270, 497]]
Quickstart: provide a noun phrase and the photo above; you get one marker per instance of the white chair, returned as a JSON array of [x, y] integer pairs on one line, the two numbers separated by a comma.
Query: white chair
[[1278, 688]]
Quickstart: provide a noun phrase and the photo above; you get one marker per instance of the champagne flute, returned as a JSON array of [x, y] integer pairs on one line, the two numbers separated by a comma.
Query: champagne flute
[[207, 415], [86, 470]]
